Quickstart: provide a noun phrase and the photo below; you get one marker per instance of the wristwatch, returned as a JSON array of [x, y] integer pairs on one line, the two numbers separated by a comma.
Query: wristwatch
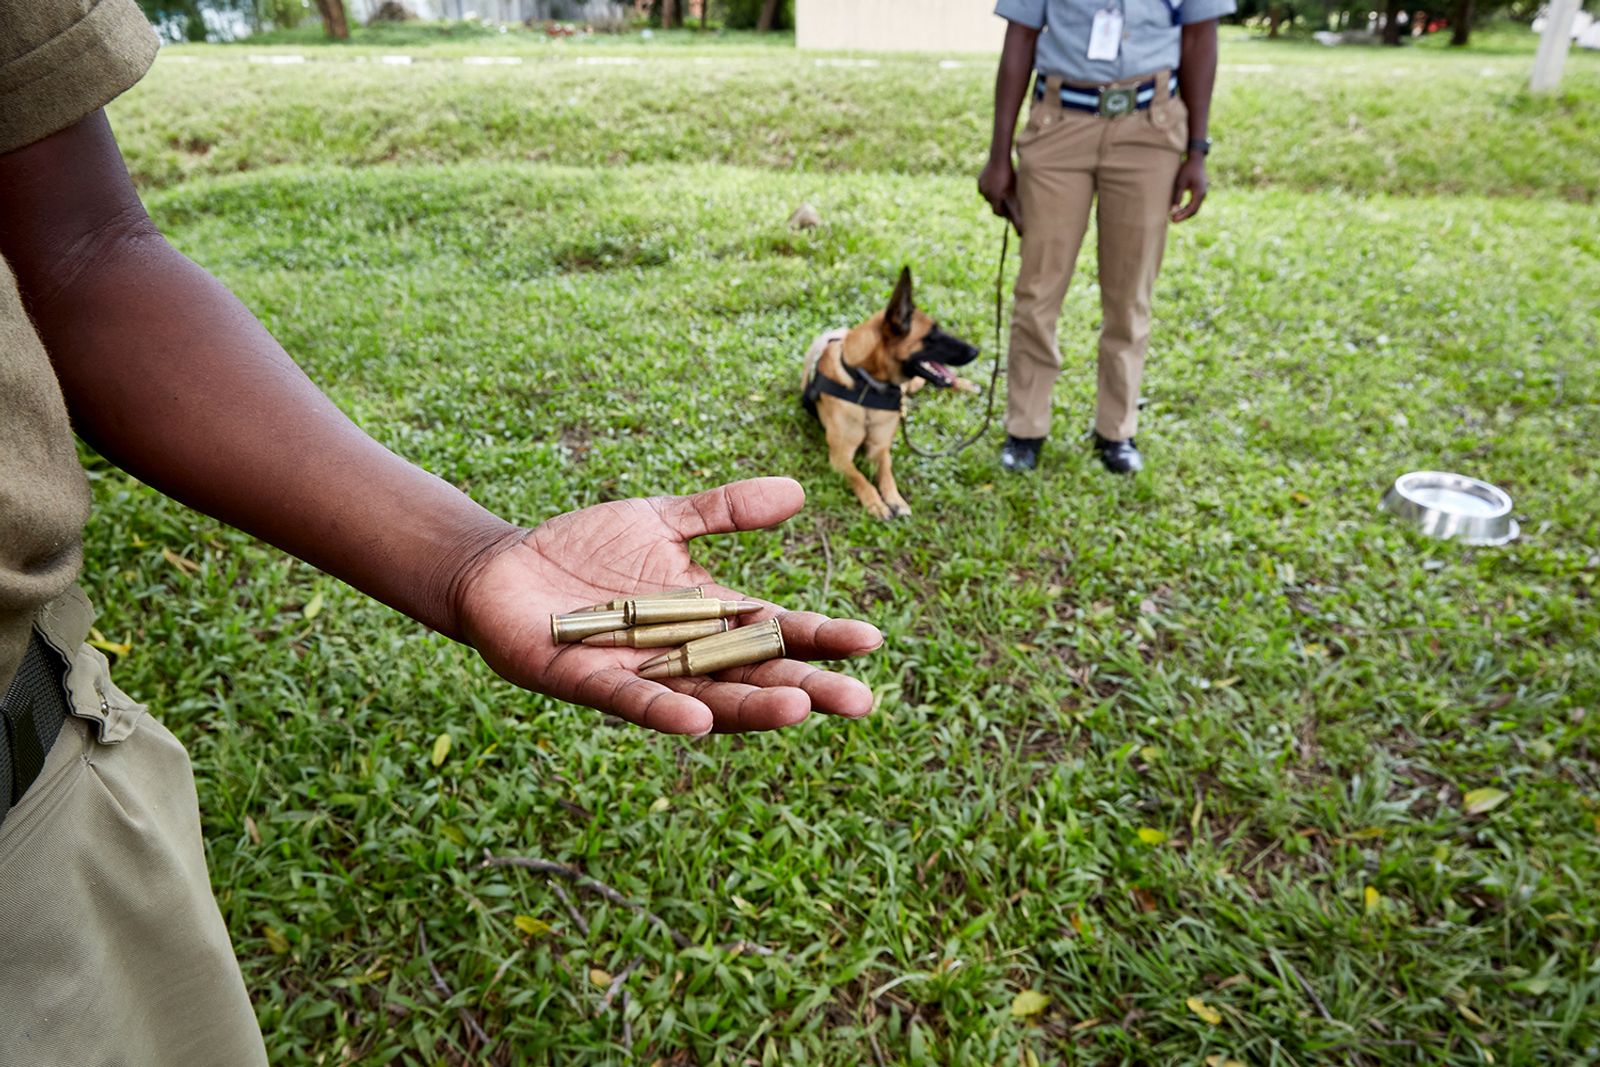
[[1201, 145]]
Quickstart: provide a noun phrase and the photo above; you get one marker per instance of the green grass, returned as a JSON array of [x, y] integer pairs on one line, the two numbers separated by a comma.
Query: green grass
[[1288, 114], [1235, 650]]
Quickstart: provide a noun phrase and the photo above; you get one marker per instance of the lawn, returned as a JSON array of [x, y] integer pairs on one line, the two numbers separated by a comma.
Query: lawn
[[1188, 756]]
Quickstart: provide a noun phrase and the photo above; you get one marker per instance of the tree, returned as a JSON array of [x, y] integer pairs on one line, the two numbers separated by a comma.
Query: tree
[[1461, 23], [769, 15], [1391, 22], [334, 22]]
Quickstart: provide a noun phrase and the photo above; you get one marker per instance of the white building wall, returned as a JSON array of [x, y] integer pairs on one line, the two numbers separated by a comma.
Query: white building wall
[[899, 25]]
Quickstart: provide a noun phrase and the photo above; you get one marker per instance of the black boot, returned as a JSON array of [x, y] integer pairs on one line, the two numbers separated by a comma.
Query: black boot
[[1021, 453], [1119, 457]]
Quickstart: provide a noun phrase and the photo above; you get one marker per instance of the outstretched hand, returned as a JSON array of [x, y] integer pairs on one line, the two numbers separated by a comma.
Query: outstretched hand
[[641, 546]]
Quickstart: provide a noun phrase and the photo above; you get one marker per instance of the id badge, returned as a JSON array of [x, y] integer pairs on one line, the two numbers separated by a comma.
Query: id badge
[[1105, 38]]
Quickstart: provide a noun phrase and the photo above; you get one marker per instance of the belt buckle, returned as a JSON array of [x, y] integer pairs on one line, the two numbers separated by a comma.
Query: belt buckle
[[1116, 102]]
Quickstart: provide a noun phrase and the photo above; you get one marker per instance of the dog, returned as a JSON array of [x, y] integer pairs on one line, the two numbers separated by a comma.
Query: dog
[[854, 381]]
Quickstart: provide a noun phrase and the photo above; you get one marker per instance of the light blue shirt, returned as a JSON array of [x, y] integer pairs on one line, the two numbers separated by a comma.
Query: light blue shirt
[[1151, 34]]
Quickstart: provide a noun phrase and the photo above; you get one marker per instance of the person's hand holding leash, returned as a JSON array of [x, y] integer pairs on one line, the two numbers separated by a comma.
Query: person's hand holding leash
[[637, 546], [998, 185]]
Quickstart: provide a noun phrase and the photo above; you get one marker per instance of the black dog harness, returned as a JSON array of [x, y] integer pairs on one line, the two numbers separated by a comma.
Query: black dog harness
[[864, 391]]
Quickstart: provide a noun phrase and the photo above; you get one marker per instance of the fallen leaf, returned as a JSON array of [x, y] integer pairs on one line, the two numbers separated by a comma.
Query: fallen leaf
[[99, 640], [531, 926], [1218, 1061], [1029, 1059], [1028, 1003], [187, 566], [1300, 498], [313, 607], [1479, 801], [1468, 1014], [1204, 1010], [441, 749], [1144, 898], [1087, 1024], [275, 941], [251, 829], [1151, 836], [661, 804], [1374, 898], [599, 977]]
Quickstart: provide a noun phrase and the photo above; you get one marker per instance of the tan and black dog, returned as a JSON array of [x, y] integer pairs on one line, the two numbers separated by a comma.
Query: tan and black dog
[[853, 384]]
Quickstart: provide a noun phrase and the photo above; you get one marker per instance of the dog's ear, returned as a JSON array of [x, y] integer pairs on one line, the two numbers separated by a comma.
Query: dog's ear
[[898, 317]]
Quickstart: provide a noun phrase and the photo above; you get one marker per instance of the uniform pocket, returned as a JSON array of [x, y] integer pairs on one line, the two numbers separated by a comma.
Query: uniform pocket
[[1170, 122]]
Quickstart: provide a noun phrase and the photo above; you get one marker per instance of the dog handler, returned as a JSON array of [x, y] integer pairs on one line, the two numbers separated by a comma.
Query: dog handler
[[1121, 96], [112, 950]]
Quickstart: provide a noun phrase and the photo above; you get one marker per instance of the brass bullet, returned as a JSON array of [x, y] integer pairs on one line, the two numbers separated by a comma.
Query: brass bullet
[[648, 612], [659, 636], [693, 592], [736, 648], [734, 638], [567, 629]]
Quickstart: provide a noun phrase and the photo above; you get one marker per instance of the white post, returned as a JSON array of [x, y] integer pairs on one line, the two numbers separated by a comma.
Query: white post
[[1553, 46]]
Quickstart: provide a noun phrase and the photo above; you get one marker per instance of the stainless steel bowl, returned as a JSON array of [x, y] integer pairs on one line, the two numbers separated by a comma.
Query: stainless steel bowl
[[1453, 507]]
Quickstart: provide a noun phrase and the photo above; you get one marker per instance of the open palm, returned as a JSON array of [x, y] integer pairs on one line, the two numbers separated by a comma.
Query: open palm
[[641, 546]]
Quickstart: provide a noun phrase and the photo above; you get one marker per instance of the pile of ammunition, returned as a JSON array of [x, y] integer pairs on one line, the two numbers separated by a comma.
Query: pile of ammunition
[[684, 617]]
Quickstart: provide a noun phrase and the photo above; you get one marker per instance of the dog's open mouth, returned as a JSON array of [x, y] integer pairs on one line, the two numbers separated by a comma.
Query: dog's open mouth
[[937, 373]]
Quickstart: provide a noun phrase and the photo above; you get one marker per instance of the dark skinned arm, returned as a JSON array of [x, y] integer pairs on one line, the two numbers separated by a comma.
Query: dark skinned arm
[[171, 378], [998, 182], [1197, 75]]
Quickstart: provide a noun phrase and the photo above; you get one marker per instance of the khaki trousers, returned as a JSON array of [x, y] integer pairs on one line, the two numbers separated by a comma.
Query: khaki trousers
[[112, 950], [1126, 166]]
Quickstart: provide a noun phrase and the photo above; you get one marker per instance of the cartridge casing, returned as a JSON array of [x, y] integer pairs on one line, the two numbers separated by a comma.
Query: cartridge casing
[[567, 629], [693, 592], [661, 635], [650, 612], [736, 648]]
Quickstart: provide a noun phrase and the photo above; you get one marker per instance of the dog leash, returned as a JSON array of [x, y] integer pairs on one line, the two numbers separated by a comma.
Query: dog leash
[[994, 376]]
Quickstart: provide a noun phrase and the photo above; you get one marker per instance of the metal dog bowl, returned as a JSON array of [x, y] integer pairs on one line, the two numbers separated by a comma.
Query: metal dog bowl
[[1453, 507]]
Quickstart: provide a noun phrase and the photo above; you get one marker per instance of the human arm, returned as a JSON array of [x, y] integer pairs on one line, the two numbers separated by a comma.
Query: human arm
[[170, 377], [998, 181], [1197, 74]]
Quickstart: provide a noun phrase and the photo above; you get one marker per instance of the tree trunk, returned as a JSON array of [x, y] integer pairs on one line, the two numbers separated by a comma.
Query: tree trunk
[[769, 15], [669, 14], [1462, 28], [334, 23], [1391, 23], [1274, 17], [705, 11]]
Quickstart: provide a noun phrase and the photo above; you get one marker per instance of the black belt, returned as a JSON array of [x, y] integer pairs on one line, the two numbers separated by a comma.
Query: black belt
[[1107, 101], [31, 715]]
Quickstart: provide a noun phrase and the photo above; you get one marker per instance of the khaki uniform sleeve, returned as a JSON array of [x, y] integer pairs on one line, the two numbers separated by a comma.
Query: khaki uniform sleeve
[[61, 60]]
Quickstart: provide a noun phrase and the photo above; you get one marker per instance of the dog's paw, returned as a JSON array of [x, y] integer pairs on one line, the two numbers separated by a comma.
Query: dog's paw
[[880, 510], [898, 509], [964, 386]]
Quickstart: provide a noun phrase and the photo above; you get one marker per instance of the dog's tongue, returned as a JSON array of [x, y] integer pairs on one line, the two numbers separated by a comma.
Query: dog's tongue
[[941, 372]]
